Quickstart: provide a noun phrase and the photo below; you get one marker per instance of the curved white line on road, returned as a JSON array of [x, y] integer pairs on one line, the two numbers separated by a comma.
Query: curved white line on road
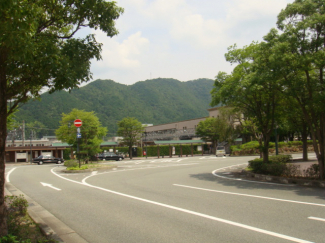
[[239, 179], [248, 195], [315, 218], [8, 174], [191, 212]]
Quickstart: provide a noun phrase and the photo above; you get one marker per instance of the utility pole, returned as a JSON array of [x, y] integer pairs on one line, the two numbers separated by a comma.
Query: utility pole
[[23, 134]]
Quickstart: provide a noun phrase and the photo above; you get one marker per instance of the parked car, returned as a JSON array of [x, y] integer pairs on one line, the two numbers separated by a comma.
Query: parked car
[[110, 156], [221, 150], [47, 159]]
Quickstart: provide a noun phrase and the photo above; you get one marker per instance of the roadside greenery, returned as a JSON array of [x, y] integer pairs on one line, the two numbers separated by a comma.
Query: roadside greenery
[[39, 49], [131, 130], [253, 147], [279, 82], [91, 133], [21, 227], [93, 165], [279, 165], [219, 129]]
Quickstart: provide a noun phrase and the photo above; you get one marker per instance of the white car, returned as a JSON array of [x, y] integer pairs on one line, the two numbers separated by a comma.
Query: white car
[[221, 150]]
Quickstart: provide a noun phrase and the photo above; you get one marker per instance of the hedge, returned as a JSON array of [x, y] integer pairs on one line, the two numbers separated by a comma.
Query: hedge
[[252, 147], [276, 165], [152, 151]]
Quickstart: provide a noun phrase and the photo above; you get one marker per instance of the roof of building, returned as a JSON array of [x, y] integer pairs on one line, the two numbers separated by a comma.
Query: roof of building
[[60, 145], [178, 142], [109, 143], [178, 122]]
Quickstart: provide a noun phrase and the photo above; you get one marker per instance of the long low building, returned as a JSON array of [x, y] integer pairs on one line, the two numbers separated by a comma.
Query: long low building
[[182, 130]]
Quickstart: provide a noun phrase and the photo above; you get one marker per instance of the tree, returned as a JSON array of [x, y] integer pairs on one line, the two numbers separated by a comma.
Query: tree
[[91, 133], [131, 130], [252, 88], [212, 129], [300, 53], [38, 49]]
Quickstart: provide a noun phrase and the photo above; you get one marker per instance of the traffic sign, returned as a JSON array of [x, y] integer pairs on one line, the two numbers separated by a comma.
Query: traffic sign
[[78, 123], [78, 135]]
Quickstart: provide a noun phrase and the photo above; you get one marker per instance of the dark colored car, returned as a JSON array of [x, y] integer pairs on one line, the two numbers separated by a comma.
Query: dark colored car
[[47, 159], [110, 156]]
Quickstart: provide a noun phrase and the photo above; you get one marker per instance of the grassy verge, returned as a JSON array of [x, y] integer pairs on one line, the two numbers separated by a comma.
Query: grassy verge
[[74, 165], [21, 228]]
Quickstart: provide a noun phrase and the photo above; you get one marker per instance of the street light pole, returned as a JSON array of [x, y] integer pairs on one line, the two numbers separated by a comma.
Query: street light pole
[[276, 140], [146, 145]]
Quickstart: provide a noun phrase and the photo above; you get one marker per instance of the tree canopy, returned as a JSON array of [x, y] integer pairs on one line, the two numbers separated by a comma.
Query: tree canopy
[[131, 130], [38, 50], [91, 133], [285, 70], [252, 88]]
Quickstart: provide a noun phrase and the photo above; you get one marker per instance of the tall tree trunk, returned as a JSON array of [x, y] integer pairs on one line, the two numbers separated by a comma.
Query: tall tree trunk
[[3, 135], [265, 150], [304, 135], [130, 152]]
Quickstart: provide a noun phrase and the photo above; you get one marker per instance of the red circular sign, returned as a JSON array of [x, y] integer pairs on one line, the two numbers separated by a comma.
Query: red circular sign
[[78, 123]]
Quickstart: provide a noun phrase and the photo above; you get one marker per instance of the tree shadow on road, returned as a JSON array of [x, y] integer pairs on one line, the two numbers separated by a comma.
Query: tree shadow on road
[[245, 184]]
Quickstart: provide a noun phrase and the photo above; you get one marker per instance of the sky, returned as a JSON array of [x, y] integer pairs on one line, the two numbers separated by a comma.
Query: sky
[[181, 39]]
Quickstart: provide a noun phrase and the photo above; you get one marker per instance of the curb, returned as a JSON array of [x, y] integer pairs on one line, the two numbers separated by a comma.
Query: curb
[[283, 180], [48, 223]]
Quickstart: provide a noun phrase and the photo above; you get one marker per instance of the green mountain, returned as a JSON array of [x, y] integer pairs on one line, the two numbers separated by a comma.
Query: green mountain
[[155, 102]]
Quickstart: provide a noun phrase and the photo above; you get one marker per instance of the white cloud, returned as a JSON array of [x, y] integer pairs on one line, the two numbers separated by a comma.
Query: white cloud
[[122, 55], [182, 39]]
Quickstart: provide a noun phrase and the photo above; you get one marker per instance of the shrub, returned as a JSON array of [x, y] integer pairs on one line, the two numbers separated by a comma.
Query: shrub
[[295, 143], [250, 145], [17, 225], [280, 158], [312, 171], [83, 167], [71, 163], [270, 168], [292, 170], [256, 165], [10, 239], [20, 226], [275, 168], [139, 152]]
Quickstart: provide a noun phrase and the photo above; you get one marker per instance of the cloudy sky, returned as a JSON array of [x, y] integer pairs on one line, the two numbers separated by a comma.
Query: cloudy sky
[[181, 39]]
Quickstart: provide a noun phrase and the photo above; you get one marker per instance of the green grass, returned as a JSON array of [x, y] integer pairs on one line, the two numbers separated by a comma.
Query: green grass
[[74, 165]]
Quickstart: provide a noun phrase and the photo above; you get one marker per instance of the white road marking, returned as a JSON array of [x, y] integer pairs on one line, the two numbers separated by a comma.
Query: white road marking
[[315, 218], [239, 179], [191, 212], [248, 195], [50, 186], [8, 174]]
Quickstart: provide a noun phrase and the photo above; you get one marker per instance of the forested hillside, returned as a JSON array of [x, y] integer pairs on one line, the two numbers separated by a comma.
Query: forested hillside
[[151, 102]]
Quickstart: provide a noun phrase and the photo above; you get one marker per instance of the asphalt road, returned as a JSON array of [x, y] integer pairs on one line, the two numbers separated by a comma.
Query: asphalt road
[[174, 200]]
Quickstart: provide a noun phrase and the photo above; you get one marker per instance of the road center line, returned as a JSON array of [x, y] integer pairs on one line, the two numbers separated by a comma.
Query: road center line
[[191, 212], [248, 195]]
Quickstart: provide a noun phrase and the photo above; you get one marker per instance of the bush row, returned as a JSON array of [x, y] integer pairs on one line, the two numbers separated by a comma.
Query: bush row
[[252, 147], [276, 165], [164, 150]]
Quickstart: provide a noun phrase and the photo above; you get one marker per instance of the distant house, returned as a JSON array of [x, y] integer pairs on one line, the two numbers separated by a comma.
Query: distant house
[[182, 130], [26, 150]]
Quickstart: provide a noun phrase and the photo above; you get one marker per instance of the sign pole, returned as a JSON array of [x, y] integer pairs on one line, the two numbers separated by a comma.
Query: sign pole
[[78, 124]]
